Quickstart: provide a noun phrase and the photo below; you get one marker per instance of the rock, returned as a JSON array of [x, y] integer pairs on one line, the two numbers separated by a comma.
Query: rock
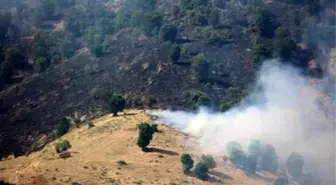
[[65, 154]]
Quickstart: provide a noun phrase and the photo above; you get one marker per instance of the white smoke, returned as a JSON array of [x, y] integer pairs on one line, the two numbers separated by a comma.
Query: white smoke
[[284, 113]]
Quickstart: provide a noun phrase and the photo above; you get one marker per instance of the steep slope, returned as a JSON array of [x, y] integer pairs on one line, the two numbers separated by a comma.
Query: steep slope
[[96, 152]]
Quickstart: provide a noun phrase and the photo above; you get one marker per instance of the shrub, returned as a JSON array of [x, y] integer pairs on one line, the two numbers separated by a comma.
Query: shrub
[[187, 163], [90, 124], [63, 127], [198, 98], [145, 135], [208, 160], [294, 165], [62, 146], [200, 67], [122, 163], [175, 53], [155, 127], [117, 103], [201, 171], [168, 32]]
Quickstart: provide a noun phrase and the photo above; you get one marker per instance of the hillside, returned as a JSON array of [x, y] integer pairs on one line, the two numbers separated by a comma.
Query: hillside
[[65, 58], [96, 152]]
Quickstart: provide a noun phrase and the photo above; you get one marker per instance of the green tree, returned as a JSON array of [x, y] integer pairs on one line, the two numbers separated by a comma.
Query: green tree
[[209, 161], [259, 52], [168, 32], [283, 43], [269, 159], [294, 165], [63, 127], [67, 46], [187, 163], [263, 22], [251, 163], [236, 154], [117, 103], [151, 23], [232, 97], [94, 39], [201, 171], [200, 67], [198, 98], [145, 135], [255, 148], [175, 53], [62, 146]]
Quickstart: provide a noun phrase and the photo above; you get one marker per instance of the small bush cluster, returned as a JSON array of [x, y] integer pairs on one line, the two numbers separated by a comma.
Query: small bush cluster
[[62, 146]]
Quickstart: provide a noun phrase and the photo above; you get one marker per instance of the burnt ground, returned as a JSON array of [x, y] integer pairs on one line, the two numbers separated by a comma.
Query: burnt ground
[[31, 110]]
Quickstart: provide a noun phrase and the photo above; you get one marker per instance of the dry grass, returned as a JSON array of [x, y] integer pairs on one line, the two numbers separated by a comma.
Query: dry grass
[[97, 152]]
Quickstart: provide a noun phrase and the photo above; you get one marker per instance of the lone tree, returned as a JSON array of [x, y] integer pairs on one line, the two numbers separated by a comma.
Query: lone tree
[[187, 163], [294, 165], [208, 160], [63, 127], [201, 171], [117, 103], [146, 132]]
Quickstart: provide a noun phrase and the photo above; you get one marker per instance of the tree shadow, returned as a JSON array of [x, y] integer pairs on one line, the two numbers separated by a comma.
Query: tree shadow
[[162, 151], [220, 175]]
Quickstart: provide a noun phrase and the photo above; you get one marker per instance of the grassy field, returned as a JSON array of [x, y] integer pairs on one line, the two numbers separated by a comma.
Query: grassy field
[[96, 152]]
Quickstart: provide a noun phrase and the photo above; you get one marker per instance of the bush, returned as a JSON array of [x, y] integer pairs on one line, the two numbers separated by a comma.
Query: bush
[[208, 160], [201, 171], [198, 98], [122, 163], [168, 33], [62, 146], [94, 40], [294, 165], [155, 127], [63, 127], [175, 53], [90, 124], [117, 103], [145, 135], [200, 67], [187, 163]]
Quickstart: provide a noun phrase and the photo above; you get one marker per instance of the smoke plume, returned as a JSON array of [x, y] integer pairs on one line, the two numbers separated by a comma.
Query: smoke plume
[[283, 111]]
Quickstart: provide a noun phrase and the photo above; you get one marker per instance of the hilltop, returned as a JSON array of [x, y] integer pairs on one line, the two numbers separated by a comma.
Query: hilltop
[[96, 152]]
